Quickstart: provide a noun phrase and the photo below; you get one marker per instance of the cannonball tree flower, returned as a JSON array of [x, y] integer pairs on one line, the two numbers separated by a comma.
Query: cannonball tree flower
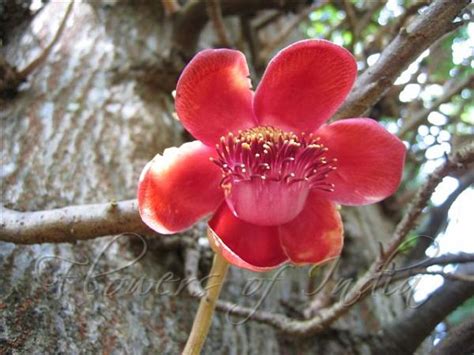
[[265, 164]]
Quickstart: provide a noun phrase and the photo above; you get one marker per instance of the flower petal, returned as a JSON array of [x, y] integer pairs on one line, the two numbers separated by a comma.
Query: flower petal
[[213, 95], [245, 245], [315, 235], [369, 161], [179, 188], [304, 85]]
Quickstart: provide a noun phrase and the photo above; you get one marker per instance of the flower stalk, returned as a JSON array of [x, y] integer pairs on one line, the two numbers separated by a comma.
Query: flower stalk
[[203, 319]]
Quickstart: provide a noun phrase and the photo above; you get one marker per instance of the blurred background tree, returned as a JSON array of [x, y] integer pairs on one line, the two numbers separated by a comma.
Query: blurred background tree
[[87, 100]]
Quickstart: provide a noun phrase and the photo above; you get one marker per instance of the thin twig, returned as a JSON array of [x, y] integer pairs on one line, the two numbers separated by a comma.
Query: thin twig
[[448, 275], [454, 162], [24, 73], [267, 19], [192, 256], [214, 12], [397, 274], [367, 16], [412, 123], [438, 217], [459, 258], [192, 18], [250, 36], [351, 21]]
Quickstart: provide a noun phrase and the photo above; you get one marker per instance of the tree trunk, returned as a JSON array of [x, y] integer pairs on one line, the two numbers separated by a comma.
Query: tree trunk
[[80, 131]]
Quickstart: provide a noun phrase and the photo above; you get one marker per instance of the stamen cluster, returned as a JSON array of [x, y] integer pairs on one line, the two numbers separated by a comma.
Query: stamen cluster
[[270, 154]]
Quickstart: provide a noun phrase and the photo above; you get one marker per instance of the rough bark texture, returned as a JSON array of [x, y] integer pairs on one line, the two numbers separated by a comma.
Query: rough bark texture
[[79, 132]]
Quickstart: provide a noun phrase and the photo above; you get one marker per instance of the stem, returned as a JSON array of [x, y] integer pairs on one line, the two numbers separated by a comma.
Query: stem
[[203, 319]]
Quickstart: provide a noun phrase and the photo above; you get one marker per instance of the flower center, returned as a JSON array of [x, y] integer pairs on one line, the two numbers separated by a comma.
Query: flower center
[[268, 173]]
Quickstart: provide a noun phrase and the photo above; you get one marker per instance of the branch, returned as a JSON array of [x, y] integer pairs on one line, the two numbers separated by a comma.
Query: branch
[[24, 73], [411, 41], [192, 255], [406, 334], [438, 218], [70, 224], [458, 340]]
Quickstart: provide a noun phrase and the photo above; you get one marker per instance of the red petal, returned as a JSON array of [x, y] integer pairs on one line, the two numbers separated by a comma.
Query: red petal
[[179, 188], [304, 85], [213, 95], [369, 161], [245, 245], [315, 235]]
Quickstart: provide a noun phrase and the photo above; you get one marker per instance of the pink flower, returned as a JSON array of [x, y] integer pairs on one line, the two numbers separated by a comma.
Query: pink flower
[[265, 164]]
